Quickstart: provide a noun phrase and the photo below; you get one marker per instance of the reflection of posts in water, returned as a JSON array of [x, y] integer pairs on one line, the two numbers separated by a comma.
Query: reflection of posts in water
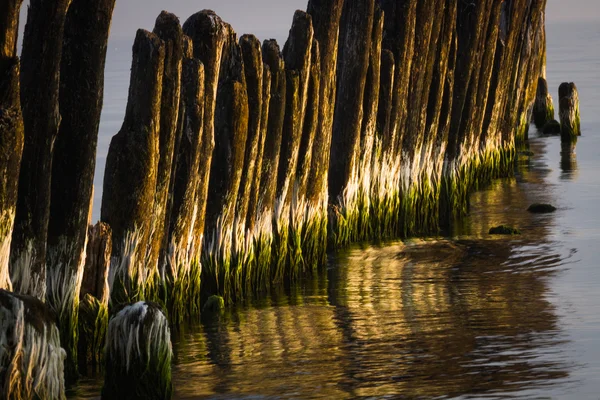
[[568, 158]]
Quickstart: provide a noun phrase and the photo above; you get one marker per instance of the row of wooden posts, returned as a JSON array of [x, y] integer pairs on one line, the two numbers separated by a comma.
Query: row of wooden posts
[[239, 163]]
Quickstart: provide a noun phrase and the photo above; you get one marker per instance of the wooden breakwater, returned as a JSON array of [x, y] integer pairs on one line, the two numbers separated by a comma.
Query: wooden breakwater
[[239, 163]]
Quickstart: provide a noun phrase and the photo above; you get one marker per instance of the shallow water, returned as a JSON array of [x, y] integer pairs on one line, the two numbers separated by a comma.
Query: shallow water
[[469, 316]]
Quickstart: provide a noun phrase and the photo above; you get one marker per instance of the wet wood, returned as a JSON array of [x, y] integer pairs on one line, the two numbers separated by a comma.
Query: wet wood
[[311, 123], [386, 96], [353, 63], [208, 34], [40, 78], [183, 247], [168, 29], [326, 15], [97, 263], [11, 131], [253, 205], [253, 70], [231, 131], [133, 154], [277, 106], [570, 124]]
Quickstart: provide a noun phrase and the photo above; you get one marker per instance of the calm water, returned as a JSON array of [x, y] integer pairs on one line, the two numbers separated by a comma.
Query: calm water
[[469, 316]]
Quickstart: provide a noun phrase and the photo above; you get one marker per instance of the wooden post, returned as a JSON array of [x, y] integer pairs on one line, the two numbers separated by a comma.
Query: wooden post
[[311, 123], [254, 213], [386, 95], [353, 64], [182, 245], [81, 94], [131, 171], [277, 105], [168, 29], [570, 121], [40, 78], [326, 17], [31, 366], [208, 34], [138, 354], [543, 109], [11, 131], [95, 292], [253, 69]]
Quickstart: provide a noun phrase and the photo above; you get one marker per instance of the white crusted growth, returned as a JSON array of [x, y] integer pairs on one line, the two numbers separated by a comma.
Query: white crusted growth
[[23, 280]]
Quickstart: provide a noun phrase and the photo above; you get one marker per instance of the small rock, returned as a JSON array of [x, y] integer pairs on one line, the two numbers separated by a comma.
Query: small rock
[[551, 128], [538, 208], [214, 304], [504, 230]]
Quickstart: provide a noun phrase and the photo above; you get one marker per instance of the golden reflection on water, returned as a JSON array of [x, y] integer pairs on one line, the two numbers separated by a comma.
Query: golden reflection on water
[[425, 318], [469, 316]]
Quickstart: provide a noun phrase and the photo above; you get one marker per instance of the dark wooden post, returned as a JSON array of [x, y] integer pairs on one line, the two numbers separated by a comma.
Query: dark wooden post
[[356, 29], [168, 29], [208, 34], [570, 121], [81, 94], [253, 69], [231, 130], [399, 37], [182, 244], [11, 131], [40, 76], [255, 212], [543, 109], [311, 123], [94, 296], [326, 17], [131, 171], [386, 95], [277, 105]]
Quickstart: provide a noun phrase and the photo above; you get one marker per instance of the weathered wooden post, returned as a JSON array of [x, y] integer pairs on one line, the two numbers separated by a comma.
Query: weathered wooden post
[[386, 94], [31, 359], [130, 176], [138, 354], [570, 121], [543, 109], [223, 234], [277, 104], [253, 70], [253, 207], [208, 34], [183, 257], [81, 94], [94, 296], [311, 122], [353, 63], [399, 37], [326, 17], [369, 126], [168, 29], [40, 78], [11, 131]]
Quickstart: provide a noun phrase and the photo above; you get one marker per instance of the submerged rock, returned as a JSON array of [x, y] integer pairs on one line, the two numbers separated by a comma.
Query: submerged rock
[[214, 304], [504, 230], [539, 208]]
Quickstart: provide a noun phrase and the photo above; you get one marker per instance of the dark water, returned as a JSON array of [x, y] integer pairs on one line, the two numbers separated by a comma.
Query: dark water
[[471, 316]]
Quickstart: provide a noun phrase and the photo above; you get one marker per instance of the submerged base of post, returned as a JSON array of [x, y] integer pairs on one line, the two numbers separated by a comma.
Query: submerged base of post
[[138, 354], [31, 358]]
